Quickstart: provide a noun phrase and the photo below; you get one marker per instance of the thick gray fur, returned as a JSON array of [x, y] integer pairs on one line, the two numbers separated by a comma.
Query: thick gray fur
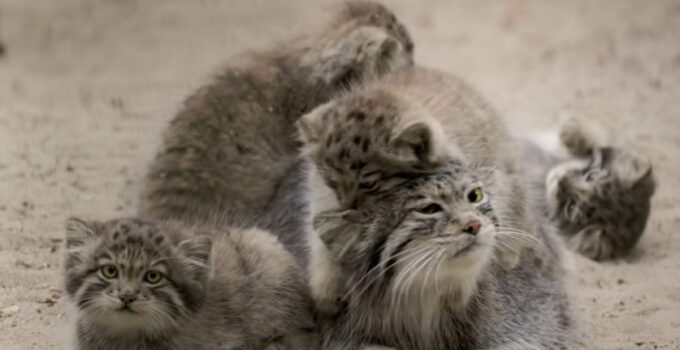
[[598, 195], [379, 160], [233, 140], [222, 289]]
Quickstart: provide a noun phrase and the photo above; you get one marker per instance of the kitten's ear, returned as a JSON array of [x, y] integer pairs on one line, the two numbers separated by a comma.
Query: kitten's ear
[[340, 232], [78, 232], [196, 251], [310, 125], [631, 168], [421, 141]]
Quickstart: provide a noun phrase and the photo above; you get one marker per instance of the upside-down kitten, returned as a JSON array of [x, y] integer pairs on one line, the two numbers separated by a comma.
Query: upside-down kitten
[[598, 195]]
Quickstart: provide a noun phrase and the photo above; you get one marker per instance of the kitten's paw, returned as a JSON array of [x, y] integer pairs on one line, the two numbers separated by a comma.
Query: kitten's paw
[[366, 52], [376, 347], [323, 283], [579, 137]]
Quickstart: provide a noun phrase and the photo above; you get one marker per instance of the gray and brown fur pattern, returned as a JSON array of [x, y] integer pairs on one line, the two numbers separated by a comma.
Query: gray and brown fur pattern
[[598, 195], [219, 289], [233, 140], [400, 254]]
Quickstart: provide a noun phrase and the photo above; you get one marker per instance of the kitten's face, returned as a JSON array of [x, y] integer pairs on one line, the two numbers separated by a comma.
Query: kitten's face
[[432, 229], [368, 143], [610, 192], [131, 276]]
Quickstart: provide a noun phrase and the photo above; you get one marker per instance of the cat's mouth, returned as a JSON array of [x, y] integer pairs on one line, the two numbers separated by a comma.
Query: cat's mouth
[[466, 249], [126, 309]]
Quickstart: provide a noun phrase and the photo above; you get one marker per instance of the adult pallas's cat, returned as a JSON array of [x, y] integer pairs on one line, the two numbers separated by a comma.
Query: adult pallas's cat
[[421, 236]]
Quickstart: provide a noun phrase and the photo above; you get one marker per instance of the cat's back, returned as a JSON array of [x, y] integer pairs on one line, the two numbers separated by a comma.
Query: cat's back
[[467, 120]]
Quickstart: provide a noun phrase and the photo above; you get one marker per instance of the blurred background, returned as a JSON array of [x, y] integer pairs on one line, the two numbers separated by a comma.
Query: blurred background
[[87, 85]]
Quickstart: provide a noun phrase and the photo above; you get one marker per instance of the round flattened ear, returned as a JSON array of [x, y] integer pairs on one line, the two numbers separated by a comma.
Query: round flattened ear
[[78, 232], [196, 251], [310, 126], [421, 141]]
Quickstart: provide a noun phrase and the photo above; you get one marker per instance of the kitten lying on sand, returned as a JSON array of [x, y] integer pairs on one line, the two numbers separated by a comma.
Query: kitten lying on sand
[[598, 195], [421, 236], [233, 140], [141, 284]]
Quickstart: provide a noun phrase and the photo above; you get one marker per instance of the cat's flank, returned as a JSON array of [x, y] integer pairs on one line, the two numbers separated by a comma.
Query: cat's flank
[[147, 285], [421, 237], [598, 195], [234, 139]]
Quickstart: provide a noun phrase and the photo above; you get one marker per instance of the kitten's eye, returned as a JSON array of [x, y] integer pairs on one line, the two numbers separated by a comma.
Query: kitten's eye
[[476, 195], [431, 208], [591, 175], [368, 186], [153, 277], [109, 271]]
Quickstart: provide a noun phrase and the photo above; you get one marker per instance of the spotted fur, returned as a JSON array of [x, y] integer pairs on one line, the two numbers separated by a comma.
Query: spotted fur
[[394, 263], [217, 290]]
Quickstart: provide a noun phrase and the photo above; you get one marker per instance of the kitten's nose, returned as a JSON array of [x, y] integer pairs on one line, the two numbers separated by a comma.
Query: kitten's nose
[[472, 227], [127, 298]]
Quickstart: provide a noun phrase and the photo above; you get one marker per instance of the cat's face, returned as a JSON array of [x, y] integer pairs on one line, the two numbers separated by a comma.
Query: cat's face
[[134, 277], [432, 229], [609, 194]]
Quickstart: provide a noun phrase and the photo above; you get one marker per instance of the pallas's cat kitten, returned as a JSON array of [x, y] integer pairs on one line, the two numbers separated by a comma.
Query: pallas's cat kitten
[[421, 237], [233, 139], [597, 194], [141, 284]]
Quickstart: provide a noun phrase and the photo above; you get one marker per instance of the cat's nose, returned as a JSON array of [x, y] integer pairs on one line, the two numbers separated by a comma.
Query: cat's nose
[[127, 298], [472, 227]]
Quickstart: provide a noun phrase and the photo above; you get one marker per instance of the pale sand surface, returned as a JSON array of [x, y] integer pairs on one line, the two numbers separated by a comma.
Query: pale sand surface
[[86, 86]]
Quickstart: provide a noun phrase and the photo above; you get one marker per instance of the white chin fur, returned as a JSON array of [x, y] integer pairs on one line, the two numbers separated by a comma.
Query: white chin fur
[[108, 316]]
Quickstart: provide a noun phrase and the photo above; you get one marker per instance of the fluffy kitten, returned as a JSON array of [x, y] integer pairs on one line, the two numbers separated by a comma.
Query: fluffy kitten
[[421, 237], [233, 140], [598, 196], [141, 284]]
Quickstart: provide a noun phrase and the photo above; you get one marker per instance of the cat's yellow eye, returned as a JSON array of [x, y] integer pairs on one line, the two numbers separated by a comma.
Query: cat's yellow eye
[[109, 271], [476, 195], [153, 277]]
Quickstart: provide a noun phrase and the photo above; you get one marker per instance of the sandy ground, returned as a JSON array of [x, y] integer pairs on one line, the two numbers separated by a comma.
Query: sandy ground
[[86, 86]]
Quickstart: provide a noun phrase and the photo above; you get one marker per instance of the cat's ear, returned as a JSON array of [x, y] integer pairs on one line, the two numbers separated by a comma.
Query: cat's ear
[[310, 126], [340, 232], [631, 169], [196, 251], [78, 232], [419, 142]]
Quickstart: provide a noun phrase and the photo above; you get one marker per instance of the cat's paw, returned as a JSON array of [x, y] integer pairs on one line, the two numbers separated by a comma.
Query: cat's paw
[[580, 137], [366, 52]]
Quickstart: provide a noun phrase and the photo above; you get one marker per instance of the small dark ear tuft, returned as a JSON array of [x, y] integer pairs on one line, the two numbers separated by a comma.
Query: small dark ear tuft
[[418, 142], [310, 125], [78, 232]]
